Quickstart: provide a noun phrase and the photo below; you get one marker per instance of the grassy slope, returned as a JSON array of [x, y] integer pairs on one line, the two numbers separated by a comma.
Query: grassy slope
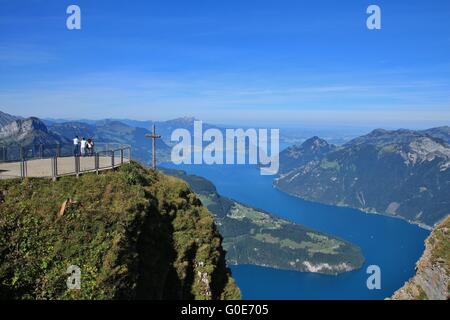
[[134, 234]]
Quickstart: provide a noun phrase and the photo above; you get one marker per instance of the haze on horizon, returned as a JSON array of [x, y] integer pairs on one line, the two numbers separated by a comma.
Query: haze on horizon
[[253, 62]]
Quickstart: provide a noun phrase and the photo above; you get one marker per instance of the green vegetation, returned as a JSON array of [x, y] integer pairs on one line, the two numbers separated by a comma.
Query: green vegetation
[[255, 237], [331, 165], [422, 295], [390, 148], [441, 243], [135, 234]]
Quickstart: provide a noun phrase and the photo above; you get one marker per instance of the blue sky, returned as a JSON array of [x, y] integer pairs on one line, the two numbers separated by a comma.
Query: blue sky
[[259, 62]]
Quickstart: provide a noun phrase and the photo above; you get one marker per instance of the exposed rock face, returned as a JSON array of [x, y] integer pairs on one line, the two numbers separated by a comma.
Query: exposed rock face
[[6, 119], [19, 129], [29, 134], [432, 280]]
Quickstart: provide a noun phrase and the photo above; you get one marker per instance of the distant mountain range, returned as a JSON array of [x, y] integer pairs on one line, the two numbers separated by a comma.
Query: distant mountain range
[[403, 173], [164, 128], [112, 131], [26, 132], [31, 132]]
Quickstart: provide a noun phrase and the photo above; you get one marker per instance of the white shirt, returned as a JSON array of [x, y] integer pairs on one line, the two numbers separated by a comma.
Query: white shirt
[[76, 141], [83, 143]]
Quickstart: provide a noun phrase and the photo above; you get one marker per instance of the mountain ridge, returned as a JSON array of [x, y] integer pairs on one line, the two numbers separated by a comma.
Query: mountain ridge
[[26, 132], [402, 173]]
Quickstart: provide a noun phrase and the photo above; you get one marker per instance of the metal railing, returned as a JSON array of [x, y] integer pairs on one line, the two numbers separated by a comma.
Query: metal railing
[[60, 160]]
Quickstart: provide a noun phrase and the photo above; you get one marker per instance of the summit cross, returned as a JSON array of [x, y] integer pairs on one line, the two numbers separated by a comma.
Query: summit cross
[[153, 136]]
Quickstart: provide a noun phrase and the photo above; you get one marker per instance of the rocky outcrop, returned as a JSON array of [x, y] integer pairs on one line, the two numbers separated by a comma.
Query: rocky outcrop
[[30, 138], [28, 132], [19, 129], [432, 280], [6, 119]]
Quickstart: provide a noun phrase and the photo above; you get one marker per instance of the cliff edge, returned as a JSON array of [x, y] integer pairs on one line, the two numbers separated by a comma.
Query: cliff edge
[[432, 280], [133, 233]]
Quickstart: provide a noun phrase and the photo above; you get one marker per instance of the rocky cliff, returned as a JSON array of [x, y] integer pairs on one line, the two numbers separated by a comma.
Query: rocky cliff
[[27, 132], [432, 280], [6, 119], [134, 234]]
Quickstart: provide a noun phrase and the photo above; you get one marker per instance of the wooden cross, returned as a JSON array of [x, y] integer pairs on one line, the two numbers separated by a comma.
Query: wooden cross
[[153, 136]]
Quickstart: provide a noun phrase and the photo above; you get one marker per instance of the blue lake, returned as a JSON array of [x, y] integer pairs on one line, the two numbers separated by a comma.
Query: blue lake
[[392, 244]]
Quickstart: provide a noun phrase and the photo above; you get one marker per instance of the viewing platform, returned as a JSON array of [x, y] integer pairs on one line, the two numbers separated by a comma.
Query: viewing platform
[[21, 162]]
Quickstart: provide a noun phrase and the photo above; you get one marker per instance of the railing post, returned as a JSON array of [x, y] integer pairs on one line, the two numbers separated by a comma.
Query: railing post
[[54, 168], [77, 166], [112, 159], [97, 162], [58, 150], [23, 168], [121, 156]]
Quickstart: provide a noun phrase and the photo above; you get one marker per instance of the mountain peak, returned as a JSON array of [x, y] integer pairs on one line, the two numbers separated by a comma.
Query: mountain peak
[[378, 132], [185, 120], [297, 155], [23, 127], [315, 143], [6, 119]]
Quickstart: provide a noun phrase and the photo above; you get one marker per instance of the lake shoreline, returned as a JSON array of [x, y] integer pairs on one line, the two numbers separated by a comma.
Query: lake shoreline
[[415, 223], [391, 244]]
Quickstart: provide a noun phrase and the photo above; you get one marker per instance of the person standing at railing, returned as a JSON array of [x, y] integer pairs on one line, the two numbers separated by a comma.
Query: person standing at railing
[[76, 146], [83, 147], [90, 147]]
